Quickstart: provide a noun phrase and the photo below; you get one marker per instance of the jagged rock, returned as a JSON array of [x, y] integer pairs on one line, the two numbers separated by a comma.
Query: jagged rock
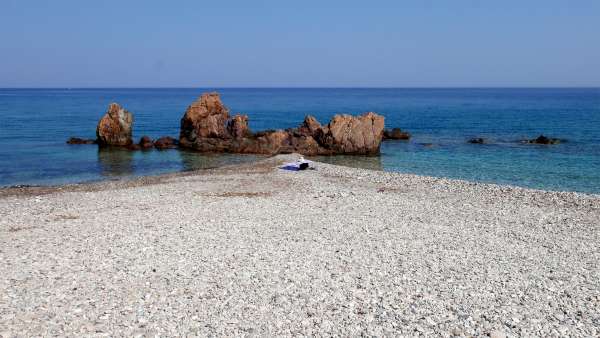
[[206, 127], [205, 118], [165, 142], [310, 127], [146, 142], [396, 134], [77, 140], [237, 127], [477, 140], [115, 127], [543, 140]]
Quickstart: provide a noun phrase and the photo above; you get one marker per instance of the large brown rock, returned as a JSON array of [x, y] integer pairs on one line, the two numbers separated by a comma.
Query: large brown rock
[[347, 134], [115, 127], [205, 118], [206, 127]]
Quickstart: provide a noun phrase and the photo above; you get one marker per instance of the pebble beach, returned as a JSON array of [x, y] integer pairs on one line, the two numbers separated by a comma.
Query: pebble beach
[[253, 250]]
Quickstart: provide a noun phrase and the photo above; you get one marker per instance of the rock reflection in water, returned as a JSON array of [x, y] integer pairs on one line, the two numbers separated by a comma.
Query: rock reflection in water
[[115, 162], [364, 162]]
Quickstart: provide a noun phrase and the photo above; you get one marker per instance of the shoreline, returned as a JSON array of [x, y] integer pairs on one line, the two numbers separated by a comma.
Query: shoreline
[[135, 181], [254, 250]]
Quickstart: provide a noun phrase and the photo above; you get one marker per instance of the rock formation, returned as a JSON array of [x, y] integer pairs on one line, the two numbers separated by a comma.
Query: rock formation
[[115, 127], [395, 134], [206, 127]]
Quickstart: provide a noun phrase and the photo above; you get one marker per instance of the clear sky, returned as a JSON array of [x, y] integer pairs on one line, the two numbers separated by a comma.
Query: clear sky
[[335, 43]]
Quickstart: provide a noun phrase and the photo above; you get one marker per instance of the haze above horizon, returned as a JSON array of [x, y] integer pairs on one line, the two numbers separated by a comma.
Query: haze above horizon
[[412, 44]]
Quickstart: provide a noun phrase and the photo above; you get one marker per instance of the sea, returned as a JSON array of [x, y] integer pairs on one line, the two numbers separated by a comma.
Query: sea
[[35, 123]]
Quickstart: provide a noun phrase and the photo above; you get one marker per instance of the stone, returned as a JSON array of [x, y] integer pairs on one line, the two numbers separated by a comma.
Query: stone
[[543, 140], [477, 140], [77, 140], [395, 134], [497, 334], [456, 332], [115, 127], [146, 142], [165, 142]]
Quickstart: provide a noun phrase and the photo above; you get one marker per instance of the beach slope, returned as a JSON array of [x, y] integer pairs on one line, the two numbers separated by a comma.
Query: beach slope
[[255, 250]]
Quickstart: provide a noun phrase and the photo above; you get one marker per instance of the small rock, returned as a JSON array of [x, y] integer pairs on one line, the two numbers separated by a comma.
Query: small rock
[[497, 334], [456, 332], [477, 140], [146, 142], [543, 140], [166, 142], [77, 140], [395, 134]]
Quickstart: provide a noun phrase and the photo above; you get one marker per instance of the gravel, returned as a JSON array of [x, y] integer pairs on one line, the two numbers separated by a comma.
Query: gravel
[[258, 251]]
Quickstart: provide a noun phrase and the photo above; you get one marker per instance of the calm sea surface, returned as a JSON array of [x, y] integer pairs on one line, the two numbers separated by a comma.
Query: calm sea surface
[[35, 123]]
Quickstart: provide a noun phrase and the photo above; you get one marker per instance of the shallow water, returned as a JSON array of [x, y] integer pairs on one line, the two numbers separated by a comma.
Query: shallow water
[[35, 124]]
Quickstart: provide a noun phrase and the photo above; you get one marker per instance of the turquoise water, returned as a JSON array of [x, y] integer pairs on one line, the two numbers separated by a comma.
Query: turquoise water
[[34, 124]]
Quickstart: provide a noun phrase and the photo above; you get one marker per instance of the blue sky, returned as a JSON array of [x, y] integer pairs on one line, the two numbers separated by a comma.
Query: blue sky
[[457, 43]]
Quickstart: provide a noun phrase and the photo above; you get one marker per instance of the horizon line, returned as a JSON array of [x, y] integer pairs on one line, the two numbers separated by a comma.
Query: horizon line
[[306, 87]]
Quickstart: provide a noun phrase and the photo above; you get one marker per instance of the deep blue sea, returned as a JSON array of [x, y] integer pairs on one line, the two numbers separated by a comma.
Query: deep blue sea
[[35, 123]]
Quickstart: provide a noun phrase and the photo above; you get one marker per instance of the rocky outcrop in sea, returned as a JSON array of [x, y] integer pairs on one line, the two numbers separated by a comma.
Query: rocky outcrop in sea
[[115, 127], [206, 126]]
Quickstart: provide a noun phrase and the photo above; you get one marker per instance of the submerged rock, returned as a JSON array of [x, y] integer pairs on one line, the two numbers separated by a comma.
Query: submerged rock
[[134, 146], [543, 140], [115, 127], [206, 127], [395, 134], [477, 140], [77, 140]]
